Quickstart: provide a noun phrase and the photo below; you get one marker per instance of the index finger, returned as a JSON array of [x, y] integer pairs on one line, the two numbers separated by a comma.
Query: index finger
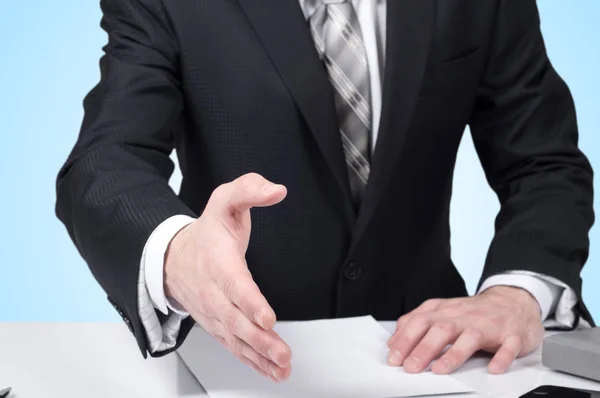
[[426, 306], [245, 294]]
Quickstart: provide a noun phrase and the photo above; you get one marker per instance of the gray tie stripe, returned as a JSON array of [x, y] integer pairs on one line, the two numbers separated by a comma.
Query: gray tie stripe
[[355, 160], [338, 40], [350, 79], [353, 38]]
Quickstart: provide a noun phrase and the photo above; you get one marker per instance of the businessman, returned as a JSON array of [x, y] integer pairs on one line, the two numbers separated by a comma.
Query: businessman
[[317, 141]]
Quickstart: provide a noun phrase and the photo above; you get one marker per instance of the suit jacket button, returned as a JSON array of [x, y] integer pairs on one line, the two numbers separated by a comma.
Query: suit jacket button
[[352, 271]]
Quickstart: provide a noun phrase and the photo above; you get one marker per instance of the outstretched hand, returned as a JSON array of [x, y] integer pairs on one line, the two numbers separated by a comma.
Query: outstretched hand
[[206, 272]]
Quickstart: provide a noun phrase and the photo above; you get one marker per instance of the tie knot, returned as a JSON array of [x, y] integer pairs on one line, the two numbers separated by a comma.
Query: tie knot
[[328, 2]]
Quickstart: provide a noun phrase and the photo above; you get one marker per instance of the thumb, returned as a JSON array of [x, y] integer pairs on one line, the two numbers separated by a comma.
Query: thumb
[[245, 192]]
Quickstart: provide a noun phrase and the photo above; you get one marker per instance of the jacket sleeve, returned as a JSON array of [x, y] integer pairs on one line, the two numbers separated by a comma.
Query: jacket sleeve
[[525, 132], [113, 190]]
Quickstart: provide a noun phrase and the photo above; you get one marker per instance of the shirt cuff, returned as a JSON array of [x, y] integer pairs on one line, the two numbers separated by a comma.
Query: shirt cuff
[[556, 299], [546, 294], [154, 262]]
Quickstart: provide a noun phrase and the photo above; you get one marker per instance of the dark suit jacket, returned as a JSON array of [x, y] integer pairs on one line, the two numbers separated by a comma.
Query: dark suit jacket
[[236, 86]]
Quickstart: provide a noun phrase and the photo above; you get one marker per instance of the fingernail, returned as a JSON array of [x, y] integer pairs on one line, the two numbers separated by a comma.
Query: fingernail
[[412, 362], [258, 318], [394, 358], [271, 377], [270, 188], [275, 375]]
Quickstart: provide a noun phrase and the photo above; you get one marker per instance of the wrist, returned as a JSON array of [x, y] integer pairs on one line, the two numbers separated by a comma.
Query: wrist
[[171, 261], [517, 295]]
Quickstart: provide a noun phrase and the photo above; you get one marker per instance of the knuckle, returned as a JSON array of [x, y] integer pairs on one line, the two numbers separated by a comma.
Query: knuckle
[[420, 319], [206, 302], [498, 321], [240, 292], [455, 310], [250, 181], [236, 346], [514, 342], [259, 341], [414, 328], [533, 336], [229, 341], [243, 286], [401, 323], [424, 349], [230, 285], [474, 335], [220, 329], [431, 302], [398, 343], [445, 327], [262, 362], [205, 297], [219, 194], [231, 322], [252, 176]]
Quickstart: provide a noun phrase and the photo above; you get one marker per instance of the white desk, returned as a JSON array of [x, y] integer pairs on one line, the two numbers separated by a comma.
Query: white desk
[[73, 360]]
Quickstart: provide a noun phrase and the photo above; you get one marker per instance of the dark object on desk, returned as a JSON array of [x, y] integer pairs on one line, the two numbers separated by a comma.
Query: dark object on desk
[[576, 353], [4, 393], [560, 392]]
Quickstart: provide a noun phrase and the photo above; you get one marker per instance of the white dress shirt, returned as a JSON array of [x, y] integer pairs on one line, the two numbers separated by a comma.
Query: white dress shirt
[[556, 300]]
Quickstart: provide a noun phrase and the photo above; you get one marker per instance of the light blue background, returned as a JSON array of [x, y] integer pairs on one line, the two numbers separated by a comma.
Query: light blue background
[[49, 53]]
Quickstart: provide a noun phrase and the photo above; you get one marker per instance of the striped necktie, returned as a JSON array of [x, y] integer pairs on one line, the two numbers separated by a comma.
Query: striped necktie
[[338, 39]]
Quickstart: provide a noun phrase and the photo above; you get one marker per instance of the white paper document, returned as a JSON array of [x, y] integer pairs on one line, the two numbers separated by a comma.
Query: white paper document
[[330, 358]]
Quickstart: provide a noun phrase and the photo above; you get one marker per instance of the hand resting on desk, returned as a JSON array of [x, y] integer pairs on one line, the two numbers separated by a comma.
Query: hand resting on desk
[[501, 320]]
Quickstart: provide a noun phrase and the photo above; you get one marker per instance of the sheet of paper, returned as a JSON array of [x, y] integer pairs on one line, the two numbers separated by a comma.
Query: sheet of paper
[[330, 358]]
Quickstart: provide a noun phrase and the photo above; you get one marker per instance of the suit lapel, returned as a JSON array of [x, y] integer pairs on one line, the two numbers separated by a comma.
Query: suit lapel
[[284, 32], [410, 25]]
